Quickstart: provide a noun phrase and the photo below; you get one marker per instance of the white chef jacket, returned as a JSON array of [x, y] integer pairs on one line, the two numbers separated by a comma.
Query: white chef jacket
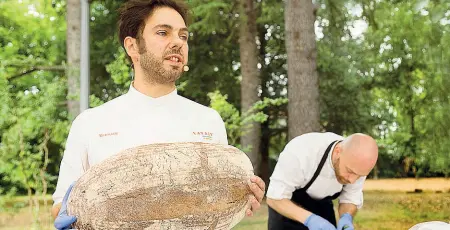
[[298, 162], [131, 120]]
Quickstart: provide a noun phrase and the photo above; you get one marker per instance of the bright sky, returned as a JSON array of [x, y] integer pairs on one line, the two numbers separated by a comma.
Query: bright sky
[[357, 28]]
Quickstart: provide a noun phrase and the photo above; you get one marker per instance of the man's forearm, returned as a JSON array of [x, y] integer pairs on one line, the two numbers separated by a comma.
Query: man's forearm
[[347, 208], [55, 210], [288, 209]]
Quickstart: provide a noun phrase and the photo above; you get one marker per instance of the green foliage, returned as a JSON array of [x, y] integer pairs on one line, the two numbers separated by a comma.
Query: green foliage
[[406, 48], [33, 115], [235, 122], [212, 16], [104, 44], [24, 140], [120, 72], [388, 80], [229, 114]]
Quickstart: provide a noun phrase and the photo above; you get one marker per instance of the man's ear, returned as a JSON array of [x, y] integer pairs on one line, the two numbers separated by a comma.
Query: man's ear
[[131, 47], [338, 148]]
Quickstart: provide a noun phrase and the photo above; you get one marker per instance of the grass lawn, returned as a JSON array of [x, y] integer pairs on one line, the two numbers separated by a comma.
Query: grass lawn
[[400, 210], [381, 211]]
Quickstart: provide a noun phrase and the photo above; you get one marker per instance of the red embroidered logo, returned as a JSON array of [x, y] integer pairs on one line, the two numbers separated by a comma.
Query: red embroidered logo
[[108, 134]]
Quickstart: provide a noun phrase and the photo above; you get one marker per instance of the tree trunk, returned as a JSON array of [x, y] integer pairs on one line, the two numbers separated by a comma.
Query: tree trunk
[[265, 128], [264, 149], [73, 45], [303, 87], [375, 172], [43, 169], [250, 79]]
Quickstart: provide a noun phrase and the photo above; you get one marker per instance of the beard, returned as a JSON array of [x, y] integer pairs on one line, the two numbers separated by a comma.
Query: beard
[[337, 171], [154, 71]]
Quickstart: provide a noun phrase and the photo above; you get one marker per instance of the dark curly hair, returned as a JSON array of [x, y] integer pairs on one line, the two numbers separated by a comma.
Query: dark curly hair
[[133, 13]]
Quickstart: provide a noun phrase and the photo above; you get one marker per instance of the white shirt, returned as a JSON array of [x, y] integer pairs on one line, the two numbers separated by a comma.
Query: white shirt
[[432, 225], [132, 120], [297, 164]]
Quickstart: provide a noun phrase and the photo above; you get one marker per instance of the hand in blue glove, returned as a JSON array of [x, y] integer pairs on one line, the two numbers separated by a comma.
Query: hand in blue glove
[[315, 222], [346, 222], [63, 221]]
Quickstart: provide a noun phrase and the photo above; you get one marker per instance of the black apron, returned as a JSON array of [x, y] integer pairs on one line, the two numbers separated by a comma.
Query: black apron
[[323, 208]]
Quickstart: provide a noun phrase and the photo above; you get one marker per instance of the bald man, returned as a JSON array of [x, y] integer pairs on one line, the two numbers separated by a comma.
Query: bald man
[[314, 169]]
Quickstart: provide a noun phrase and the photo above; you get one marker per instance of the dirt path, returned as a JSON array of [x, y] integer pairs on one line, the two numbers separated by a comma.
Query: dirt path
[[410, 184]]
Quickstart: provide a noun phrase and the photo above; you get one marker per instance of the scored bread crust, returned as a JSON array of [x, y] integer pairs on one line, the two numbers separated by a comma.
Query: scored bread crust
[[192, 186]]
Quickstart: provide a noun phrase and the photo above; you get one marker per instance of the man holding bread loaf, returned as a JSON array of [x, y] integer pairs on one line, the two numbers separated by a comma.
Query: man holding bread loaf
[[155, 36]]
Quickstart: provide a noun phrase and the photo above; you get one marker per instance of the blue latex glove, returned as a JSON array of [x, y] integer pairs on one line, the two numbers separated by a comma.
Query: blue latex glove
[[63, 221], [315, 222], [346, 222]]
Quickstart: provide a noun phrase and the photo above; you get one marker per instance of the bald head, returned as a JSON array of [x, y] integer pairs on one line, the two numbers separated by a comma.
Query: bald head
[[361, 152]]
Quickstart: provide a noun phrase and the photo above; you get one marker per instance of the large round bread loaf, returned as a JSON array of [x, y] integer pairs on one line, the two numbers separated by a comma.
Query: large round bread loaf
[[186, 186]]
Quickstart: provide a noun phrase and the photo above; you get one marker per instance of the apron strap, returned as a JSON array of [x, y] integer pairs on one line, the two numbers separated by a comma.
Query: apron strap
[[322, 162]]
